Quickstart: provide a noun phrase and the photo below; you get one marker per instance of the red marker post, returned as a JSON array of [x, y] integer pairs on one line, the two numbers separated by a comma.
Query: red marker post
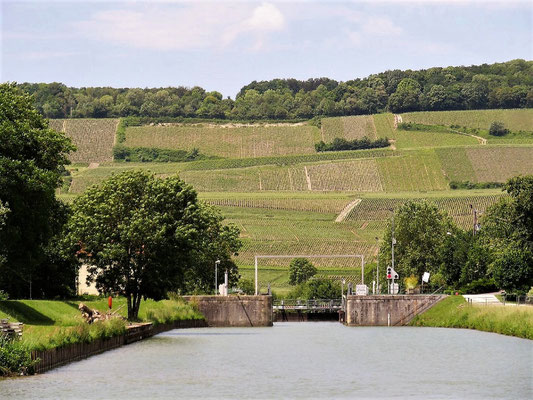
[[110, 302]]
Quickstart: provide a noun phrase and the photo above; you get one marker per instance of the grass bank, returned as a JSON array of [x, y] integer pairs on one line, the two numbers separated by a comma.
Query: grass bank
[[453, 312], [49, 324]]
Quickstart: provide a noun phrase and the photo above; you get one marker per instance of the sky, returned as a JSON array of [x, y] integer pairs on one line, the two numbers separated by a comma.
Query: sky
[[224, 45]]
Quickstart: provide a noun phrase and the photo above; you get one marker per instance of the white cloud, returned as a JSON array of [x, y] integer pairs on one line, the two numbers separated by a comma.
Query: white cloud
[[381, 26], [266, 17], [184, 26]]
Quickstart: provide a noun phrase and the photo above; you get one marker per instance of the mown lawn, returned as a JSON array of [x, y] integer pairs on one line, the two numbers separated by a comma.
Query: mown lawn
[[46, 320]]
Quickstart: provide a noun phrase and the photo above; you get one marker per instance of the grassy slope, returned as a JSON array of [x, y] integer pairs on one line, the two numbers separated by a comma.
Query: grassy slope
[[514, 119], [268, 197], [453, 312], [241, 142], [45, 318]]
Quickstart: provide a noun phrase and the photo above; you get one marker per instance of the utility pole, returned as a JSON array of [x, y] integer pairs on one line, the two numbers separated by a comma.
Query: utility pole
[[474, 212]]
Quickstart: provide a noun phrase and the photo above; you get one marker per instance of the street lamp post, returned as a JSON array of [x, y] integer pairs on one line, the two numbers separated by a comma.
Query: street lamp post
[[377, 268], [217, 263]]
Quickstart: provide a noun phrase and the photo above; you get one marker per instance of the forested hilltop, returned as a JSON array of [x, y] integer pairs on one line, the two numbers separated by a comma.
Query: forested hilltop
[[499, 85]]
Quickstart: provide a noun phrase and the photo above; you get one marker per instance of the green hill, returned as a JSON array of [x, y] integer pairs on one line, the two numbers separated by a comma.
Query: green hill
[[286, 198]]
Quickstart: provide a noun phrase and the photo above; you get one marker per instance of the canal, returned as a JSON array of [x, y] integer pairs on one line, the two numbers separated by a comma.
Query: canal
[[296, 360]]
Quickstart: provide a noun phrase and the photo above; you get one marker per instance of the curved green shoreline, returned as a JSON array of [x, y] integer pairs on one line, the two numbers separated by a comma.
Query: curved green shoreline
[[454, 312]]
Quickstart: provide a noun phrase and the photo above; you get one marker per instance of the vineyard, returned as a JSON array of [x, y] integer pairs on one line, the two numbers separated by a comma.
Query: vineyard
[[415, 171], [515, 120], [354, 127], [94, 138], [229, 142], [358, 175], [378, 210], [284, 197], [500, 163], [456, 164]]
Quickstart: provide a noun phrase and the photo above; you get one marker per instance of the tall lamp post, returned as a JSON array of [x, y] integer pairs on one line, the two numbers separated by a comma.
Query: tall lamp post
[[217, 263], [377, 268]]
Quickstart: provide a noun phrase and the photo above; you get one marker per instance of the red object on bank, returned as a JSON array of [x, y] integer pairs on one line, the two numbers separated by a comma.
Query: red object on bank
[[110, 302]]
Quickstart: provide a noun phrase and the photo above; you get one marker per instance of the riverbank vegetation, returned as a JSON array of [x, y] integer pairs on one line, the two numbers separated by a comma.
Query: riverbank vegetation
[[454, 312], [54, 324]]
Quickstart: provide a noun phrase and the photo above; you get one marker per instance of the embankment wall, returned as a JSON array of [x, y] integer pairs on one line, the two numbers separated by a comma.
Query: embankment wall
[[387, 310], [56, 357], [234, 310]]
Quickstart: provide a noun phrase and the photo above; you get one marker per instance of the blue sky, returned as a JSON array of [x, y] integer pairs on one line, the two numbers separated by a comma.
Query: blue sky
[[223, 45]]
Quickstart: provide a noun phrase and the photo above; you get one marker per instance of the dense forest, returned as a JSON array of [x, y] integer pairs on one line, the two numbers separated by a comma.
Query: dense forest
[[499, 85]]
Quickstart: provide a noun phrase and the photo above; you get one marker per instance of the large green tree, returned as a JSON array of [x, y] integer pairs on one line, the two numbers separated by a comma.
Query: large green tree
[[143, 236], [32, 157], [507, 231], [420, 230], [301, 270]]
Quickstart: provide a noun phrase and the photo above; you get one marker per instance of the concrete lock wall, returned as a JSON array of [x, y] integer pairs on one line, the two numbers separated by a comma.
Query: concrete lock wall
[[387, 310], [234, 310]]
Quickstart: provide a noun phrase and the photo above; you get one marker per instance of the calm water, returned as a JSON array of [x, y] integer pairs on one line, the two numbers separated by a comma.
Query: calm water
[[297, 360]]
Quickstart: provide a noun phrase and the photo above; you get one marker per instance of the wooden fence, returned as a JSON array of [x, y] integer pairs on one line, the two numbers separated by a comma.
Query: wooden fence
[[56, 357]]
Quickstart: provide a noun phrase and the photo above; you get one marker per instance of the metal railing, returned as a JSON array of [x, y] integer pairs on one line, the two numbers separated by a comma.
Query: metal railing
[[315, 304]]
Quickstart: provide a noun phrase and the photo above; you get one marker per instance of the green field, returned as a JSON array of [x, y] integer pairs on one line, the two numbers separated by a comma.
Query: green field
[[354, 127], [230, 142], [453, 312], [285, 197], [515, 120]]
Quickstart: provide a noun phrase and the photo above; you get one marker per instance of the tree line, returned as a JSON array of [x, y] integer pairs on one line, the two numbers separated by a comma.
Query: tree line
[[496, 253], [499, 85]]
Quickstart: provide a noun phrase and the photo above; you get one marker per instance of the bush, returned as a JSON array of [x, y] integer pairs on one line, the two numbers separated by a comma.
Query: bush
[[152, 154], [341, 144], [410, 282], [300, 271], [15, 358], [247, 286], [319, 288], [475, 185], [498, 129]]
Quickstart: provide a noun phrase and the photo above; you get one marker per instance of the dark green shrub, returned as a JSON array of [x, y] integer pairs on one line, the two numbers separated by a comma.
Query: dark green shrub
[[15, 358], [341, 144], [497, 128]]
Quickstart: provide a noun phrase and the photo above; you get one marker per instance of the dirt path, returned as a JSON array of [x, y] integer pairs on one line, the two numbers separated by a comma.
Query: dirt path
[[344, 213], [308, 178], [93, 165], [397, 120], [481, 140]]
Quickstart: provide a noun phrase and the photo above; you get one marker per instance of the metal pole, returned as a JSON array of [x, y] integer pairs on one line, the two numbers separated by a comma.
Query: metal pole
[[393, 242], [256, 275], [362, 270], [377, 270], [217, 262], [226, 282]]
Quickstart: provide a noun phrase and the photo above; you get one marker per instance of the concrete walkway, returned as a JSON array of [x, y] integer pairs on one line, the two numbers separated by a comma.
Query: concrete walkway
[[483, 299]]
